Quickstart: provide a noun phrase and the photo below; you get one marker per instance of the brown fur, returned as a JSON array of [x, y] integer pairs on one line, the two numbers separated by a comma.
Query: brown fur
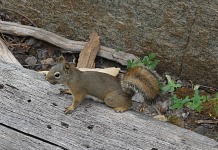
[[140, 79]]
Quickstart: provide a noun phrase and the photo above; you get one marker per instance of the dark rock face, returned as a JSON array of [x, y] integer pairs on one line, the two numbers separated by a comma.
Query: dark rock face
[[183, 34]]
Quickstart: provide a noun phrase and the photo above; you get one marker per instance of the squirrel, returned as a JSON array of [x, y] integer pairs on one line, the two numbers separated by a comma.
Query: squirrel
[[103, 87]]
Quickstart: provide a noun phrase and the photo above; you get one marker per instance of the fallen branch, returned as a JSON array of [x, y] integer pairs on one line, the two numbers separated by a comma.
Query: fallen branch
[[67, 45], [207, 121]]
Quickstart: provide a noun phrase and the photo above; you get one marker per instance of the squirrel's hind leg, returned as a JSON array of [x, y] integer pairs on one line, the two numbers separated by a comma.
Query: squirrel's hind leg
[[118, 100]]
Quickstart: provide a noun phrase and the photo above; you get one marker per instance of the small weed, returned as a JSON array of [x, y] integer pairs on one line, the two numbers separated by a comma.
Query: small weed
[[178, 102], [117, 49], [150, 61], [215, 99], [171, 86], [193, 103], [216, 137]]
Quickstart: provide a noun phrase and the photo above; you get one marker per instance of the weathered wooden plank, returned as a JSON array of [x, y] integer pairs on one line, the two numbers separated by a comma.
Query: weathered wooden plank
[[88, 54], [13, 140], [69, 46], [32, 105]]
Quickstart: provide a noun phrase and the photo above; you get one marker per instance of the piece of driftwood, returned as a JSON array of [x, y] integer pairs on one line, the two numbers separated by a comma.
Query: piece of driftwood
[[88, 54], [6, 55], [33, 109], [67, 45]]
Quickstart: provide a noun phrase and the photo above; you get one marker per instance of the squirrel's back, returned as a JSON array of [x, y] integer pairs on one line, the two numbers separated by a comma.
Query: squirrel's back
[[141, 80]]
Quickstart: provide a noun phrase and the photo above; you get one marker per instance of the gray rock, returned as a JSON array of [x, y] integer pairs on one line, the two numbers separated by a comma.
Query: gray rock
[[31, 41], [47, 61], [183, 34], [31, 60], [41, 53], [200, 130]]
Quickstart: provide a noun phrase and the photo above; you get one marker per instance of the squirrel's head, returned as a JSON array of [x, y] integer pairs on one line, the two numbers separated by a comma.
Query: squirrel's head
[[60, 72]]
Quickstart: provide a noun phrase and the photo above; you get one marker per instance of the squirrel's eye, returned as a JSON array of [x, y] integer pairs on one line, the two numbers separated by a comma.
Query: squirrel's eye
[[57, 75]]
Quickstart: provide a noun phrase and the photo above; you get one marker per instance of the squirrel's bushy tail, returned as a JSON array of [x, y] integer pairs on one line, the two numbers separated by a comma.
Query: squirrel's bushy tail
[[141, 80]]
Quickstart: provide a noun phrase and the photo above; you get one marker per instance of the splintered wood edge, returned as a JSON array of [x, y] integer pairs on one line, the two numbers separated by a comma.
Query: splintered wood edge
[[67, 45], [6, 55], [89, 52]]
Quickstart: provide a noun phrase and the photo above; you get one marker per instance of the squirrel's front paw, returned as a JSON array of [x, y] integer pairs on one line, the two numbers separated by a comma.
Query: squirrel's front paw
[[120, 109], [69, 109]]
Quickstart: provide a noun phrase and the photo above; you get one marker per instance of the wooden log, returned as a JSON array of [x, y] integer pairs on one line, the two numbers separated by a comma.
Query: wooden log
[[69, 46], [88, 54], [35, 108], [6, 55]]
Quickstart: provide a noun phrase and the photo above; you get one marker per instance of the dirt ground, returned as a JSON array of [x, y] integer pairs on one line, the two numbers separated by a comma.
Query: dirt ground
[[39, 55]]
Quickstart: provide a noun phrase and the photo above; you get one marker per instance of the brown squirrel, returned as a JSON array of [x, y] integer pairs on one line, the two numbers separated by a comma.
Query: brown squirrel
[[103, 87]]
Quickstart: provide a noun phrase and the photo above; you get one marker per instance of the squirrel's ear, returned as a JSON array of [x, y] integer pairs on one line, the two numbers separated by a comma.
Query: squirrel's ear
[[61, 60], [67, 65]]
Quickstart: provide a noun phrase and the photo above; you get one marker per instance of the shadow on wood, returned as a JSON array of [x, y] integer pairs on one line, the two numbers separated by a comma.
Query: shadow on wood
[[32, 115]]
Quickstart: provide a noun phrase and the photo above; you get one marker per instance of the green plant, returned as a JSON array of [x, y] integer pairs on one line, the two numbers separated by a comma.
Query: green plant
[[193, 103], [171, 85], [216, 137], [215, 99], [178, 102], [150, 61], [117, 49]]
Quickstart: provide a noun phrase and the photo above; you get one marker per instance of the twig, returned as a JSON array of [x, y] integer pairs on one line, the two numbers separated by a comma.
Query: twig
[[207, 121]]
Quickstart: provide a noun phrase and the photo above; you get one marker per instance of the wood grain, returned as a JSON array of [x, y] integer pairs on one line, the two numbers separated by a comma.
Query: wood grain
[[88, 54], [33, 106], [68, 46]]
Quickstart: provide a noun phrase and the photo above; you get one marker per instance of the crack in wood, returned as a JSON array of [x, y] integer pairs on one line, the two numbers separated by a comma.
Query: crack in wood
[[33, 136], [13, 87]]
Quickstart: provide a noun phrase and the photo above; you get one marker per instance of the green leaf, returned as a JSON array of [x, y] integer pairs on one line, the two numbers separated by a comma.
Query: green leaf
[[196, 87], [198, 108], [166, 88], [186, 99], [152, 56], [117, 49]]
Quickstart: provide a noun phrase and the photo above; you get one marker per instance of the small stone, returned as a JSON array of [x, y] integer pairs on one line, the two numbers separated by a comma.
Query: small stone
[[31, 41], [41, 53], [200, 130], [31, 60], [47, 61]]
